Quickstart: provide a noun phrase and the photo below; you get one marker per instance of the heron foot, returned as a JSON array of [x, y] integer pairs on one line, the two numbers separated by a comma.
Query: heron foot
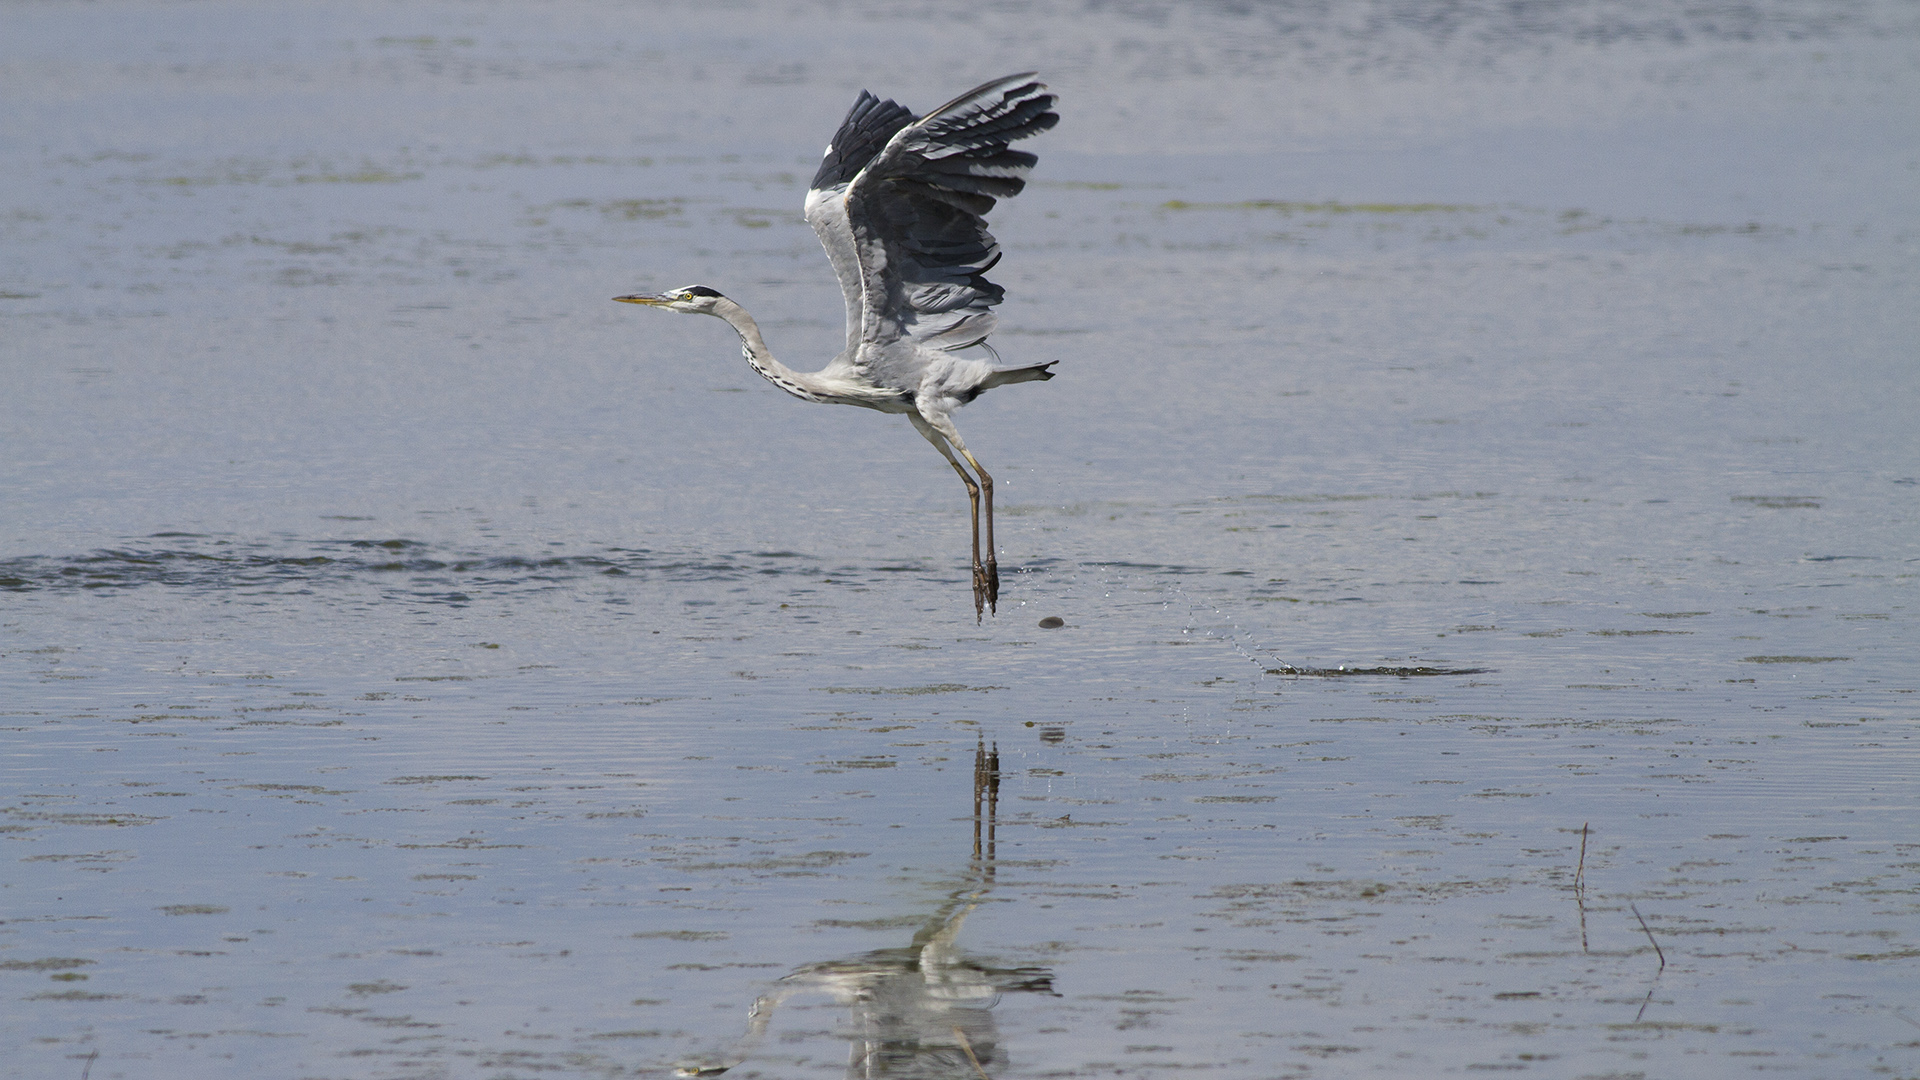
[[986, 590], [993, 585]]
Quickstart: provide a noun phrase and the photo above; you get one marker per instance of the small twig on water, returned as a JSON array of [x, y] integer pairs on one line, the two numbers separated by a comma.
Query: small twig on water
[[1580, 874], [88, 1070], [1657, 951], [1580, 887], [1648, 1000]]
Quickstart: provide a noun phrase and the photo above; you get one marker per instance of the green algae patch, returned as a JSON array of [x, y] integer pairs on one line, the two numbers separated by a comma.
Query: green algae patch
[[371, 175], [908, 691], [1332, 207], [48, 963]]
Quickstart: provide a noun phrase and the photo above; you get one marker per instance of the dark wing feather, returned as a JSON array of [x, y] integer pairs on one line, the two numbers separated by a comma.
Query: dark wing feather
[[868, 126], [916, 213]]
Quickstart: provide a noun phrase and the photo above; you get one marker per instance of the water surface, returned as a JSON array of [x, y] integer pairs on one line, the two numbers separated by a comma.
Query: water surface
[[1479, 493]]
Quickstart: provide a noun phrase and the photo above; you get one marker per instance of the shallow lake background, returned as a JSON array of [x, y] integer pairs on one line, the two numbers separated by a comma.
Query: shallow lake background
[[413, 664]]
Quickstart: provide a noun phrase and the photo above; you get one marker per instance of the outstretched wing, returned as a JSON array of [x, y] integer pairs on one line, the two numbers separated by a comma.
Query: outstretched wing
[[915, 215], [868, 126]]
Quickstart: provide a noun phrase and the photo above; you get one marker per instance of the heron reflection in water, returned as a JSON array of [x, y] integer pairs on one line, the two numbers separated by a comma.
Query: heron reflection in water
[[919, 1011]]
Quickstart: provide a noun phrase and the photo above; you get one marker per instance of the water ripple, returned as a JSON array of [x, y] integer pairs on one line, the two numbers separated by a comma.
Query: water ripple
[[301, 564]]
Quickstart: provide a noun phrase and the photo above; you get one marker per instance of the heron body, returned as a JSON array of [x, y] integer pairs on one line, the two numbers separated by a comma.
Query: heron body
[[899, 203]]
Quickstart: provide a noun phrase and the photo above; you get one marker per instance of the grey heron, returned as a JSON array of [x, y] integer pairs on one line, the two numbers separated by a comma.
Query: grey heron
[[900, 203]]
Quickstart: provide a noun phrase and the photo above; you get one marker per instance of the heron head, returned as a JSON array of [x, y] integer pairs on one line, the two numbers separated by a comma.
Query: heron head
[[688, 300]]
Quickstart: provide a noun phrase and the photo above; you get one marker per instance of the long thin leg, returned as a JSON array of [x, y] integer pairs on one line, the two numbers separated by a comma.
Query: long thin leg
[[982, 593], [993, 564], [943, 424]]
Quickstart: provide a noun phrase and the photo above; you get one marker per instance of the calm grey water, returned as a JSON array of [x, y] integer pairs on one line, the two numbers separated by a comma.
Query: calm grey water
[[414, 665]]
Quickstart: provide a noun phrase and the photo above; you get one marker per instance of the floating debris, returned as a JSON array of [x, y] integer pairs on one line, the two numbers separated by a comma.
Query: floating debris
[[1394, 672]]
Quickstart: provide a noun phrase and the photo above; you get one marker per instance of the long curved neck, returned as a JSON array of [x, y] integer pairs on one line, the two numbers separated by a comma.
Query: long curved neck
[[754, 348]]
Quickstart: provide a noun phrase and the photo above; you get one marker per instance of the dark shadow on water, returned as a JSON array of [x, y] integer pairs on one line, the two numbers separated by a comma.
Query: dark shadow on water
[[213, 564], [1344, 672], [422, 571], [921, 1010]]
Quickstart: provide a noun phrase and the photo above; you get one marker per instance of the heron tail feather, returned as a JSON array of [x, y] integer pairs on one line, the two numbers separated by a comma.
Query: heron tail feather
[[1004, 376]]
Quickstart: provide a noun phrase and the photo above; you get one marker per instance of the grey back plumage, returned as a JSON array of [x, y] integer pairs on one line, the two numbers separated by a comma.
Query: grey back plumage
[[899, 204]]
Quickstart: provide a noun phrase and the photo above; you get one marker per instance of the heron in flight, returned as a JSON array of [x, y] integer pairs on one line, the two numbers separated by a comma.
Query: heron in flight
[[900, 204]]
